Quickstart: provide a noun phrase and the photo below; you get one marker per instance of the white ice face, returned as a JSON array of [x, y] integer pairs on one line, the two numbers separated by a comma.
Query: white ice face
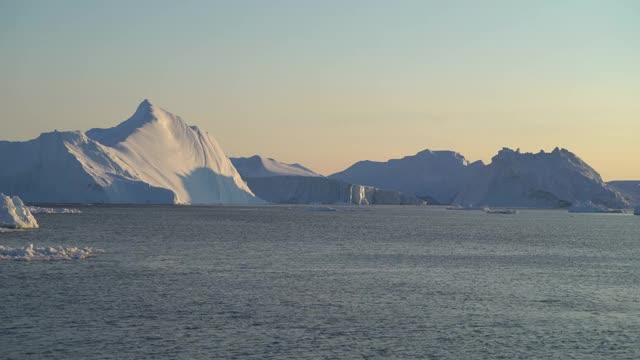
[[14, 214]]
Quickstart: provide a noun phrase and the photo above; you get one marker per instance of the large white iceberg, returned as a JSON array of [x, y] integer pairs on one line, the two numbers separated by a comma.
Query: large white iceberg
[[154, 157], [14, 214], [590, 207], [30, 252], [512, 179]]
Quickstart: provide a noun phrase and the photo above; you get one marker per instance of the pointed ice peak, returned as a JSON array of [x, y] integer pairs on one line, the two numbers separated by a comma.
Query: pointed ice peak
[[145, 114], [145, 107]]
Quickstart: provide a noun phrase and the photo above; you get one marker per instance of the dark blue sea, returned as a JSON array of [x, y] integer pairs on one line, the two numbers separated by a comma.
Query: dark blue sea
[[283, 282]]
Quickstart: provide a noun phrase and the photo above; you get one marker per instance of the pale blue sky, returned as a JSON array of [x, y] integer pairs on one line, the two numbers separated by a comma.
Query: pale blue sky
[[327, 83]]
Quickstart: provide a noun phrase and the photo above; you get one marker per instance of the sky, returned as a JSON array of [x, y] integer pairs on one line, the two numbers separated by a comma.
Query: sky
[[328, 83]]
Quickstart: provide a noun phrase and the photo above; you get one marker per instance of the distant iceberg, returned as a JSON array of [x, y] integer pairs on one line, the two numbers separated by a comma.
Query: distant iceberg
[[282, 183], [501, 211], [589, 207], [468, 207], [43, 210], [30, 252], [14, 214]]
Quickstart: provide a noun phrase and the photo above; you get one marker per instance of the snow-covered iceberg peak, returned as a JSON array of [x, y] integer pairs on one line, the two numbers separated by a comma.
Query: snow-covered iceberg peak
[[14, 214], [168, 153], [145, 114]]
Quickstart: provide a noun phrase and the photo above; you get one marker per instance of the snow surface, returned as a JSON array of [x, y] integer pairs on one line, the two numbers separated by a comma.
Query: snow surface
[[154, 157], [28, 253], [14, 214], [258, 166], [589, 207], [43, 210]]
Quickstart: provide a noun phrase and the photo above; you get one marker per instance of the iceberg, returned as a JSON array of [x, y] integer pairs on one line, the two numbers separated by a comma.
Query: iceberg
[[590, 207], [436, 176], [501, 211], [636, 211], [14, 214], [44, 210], [282, 183], [258, 166], [154, 157], [542, 180], [629, 188], [553, 179], [467, 208], [30, 252]]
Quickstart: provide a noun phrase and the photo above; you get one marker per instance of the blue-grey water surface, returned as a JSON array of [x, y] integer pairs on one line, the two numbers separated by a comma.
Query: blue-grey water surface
[[285, 283]]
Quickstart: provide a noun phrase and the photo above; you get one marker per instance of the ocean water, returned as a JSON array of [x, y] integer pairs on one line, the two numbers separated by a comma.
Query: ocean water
[[286, 283]]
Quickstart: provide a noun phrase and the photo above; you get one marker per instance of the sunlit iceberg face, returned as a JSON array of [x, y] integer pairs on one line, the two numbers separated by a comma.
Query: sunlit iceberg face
[[14, 214]]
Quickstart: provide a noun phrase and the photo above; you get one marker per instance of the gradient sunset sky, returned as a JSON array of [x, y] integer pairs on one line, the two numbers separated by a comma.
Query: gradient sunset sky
[[328, 83]]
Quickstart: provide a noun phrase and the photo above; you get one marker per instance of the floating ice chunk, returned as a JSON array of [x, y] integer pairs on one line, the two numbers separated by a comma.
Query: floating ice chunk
[[589, 207], [468, 207], [42, 210], [501, 211], [14, 214], [30, 252]]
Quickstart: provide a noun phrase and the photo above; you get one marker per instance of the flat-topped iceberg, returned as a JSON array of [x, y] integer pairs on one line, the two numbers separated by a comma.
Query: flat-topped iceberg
[[30, 252], [589, 207], [43, 210], [14, 214]]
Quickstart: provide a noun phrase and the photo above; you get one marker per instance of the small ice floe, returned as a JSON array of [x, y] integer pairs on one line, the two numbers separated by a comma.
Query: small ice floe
[[501, 211], [43, 210], [30, 252], [321, 208], [589, 207], [14, 214], [468, 208], [636, 211]]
